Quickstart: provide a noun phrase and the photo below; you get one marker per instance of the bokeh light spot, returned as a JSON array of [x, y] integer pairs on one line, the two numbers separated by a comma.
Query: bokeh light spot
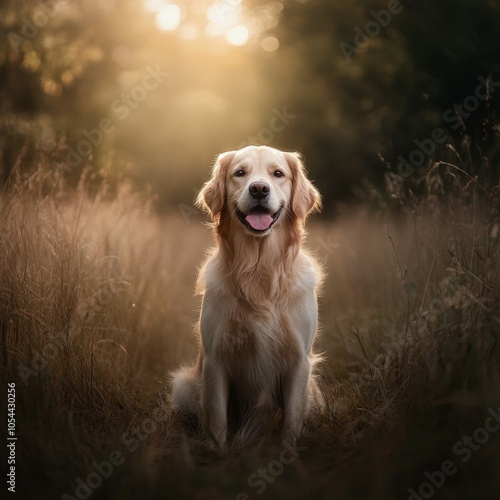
[[67, 77], [224, 14], [270, 43], [52, 88], [169, 18], [238, 35]]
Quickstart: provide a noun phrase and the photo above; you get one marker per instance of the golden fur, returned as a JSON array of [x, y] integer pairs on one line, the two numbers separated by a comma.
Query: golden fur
[[259, 312]]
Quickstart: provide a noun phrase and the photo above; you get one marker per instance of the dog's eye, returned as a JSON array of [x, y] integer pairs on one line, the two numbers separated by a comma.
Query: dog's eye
[[278, 173], [239, 173]]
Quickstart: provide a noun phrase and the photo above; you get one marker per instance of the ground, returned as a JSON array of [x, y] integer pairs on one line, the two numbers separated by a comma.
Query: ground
[[97, 306]]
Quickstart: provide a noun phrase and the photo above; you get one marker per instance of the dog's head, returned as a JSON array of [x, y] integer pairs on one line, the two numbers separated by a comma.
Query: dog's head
[[259, 186]]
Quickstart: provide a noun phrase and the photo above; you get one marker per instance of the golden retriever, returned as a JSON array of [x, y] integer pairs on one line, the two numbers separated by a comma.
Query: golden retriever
[[259, 311]]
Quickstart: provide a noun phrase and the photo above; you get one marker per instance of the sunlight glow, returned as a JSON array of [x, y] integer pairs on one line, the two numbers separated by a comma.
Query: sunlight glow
[[169, 17], [224, 14], [154, 5], [270, 44], [238, 35], [222, 18], [215, 30], [227, 20]]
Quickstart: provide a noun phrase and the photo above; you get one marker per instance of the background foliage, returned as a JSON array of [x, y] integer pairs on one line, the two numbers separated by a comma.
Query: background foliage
[[61, 77]]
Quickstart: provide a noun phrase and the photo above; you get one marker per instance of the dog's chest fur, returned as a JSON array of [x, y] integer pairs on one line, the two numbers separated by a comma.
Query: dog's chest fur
[[258, 347]]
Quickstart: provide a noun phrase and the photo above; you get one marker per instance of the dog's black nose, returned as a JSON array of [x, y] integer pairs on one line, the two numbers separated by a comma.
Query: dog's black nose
[[259, 190]]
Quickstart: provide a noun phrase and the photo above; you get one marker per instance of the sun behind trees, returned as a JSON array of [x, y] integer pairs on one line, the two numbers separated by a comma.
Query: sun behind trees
[[68, 63]]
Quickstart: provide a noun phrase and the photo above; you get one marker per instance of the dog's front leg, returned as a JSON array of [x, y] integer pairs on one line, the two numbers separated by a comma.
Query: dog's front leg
[[214, 397], [294, 399]]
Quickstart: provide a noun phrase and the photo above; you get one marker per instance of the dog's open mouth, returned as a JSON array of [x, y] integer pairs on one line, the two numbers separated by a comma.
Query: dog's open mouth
[[258, 219]]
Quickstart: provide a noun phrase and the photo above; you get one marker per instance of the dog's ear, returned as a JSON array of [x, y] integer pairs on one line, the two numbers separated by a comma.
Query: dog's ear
[[212, 195], [305, 197]]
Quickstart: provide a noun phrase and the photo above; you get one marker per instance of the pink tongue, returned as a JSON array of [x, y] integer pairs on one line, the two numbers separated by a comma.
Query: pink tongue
[[259, 222]]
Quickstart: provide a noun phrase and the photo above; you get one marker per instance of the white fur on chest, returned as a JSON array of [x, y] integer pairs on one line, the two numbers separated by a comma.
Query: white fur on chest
[[259, 345]]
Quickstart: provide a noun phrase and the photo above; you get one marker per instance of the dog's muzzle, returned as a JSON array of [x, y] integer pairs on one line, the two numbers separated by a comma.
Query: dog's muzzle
[[259, 219]]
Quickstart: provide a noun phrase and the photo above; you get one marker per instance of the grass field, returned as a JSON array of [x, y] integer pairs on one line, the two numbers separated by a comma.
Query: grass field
[[97, 306]]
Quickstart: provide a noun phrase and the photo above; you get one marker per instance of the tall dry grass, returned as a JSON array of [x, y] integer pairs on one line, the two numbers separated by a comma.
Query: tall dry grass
[[97, 306]]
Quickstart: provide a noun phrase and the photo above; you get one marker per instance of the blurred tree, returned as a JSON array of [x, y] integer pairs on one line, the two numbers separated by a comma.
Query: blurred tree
[[408, 67], [344, 82]]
